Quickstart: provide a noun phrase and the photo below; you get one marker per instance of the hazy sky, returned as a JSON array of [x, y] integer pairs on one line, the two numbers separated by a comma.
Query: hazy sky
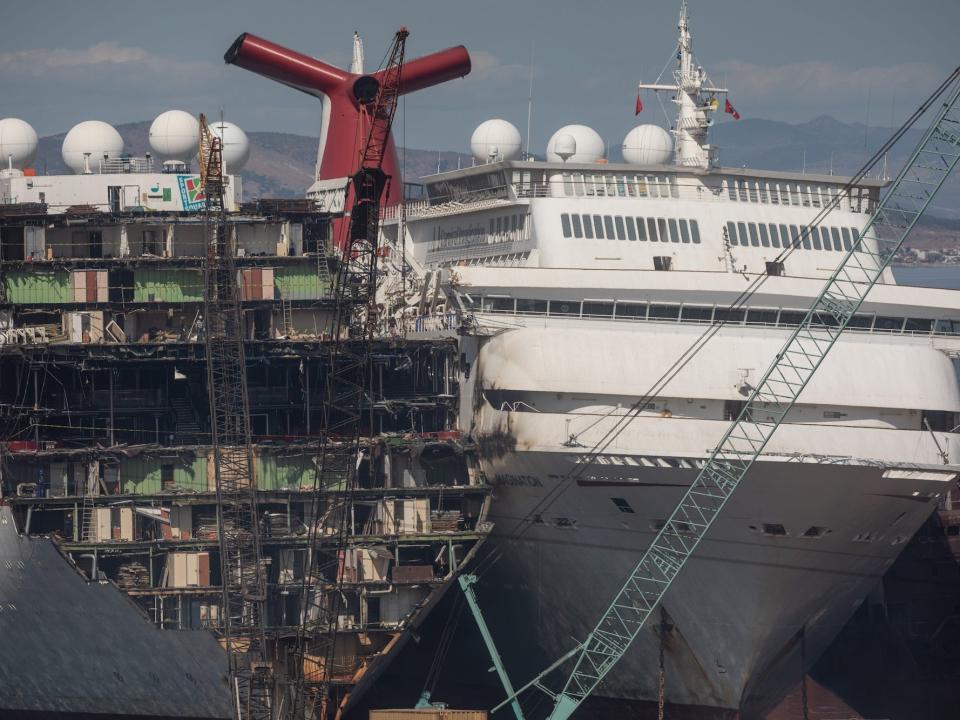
[[70, 60]]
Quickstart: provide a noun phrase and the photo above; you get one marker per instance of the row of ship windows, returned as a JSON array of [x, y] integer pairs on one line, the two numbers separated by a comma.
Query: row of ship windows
[[625, 310], [767, 193], [618, 227], [737, 189], [770, 235], [609, 185]]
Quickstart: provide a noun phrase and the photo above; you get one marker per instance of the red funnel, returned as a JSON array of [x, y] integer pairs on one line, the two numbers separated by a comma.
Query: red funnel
[[343, 137]]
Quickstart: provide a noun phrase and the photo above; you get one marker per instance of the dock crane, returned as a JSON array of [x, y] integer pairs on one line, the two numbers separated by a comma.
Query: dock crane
[[341, 445], [742, 444], [242, 624]]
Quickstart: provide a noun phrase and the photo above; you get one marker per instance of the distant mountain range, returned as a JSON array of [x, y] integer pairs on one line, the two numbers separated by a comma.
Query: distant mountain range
[[282, 164]]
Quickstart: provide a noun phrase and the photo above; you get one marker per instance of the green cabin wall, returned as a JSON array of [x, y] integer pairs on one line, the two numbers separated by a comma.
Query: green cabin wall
[[37, 287], [173, 285]]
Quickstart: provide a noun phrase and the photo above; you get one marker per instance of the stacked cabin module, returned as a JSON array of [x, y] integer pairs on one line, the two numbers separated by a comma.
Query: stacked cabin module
[[105, 445]]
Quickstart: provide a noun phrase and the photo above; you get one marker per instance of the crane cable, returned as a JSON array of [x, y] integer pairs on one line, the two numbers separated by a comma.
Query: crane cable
[[586, 461]]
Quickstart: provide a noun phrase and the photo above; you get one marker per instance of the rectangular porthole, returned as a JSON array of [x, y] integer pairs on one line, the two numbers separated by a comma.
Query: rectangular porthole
[[774, 529], [815, 531], [623, 506]]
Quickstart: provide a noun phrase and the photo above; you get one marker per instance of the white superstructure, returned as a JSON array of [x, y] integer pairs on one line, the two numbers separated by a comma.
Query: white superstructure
[[579, 285]]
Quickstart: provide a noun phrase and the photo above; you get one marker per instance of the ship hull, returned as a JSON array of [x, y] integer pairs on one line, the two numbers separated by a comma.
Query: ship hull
[[753, 608]]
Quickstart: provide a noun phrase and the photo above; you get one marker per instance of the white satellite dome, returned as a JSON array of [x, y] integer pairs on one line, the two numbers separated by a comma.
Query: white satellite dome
[[648, 145], [236, 145], [18, 143], [587, 145], [175, 135], [89, 143], [495, 140]]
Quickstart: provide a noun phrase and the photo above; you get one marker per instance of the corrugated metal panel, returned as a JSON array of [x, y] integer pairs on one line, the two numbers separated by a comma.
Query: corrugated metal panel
[[38, 287], [167, 286], [144, 475], [302, 283], [279, 472]]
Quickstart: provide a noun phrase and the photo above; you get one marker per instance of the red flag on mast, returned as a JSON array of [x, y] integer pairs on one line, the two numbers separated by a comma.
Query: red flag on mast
[[639, 108], [728, 108]]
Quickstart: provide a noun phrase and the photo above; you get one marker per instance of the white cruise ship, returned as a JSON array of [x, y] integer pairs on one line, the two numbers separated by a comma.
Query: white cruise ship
[[579, 283]]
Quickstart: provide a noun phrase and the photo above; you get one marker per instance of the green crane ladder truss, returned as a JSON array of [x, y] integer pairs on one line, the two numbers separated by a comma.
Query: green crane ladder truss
[[790, 372]]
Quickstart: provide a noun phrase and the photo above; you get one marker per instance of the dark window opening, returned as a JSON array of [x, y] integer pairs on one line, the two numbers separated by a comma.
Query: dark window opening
[[731, 233], [888, 323], [939, 420], [641, 230], [732, 409], [631, 310], [623, 506], [791, 317], [729, 315], [564, 307], [762, 317], [696, 313], [532, 307], [764, 237], [664, 312], [608, 227], [597, 309], [166, 477], [815, 531], [674, 232], [652, 230], [774, 529], [565, 223]]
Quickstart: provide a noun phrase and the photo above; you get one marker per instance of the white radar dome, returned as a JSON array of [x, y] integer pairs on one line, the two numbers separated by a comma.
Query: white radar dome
[[175, 135], [648, 145], [587, 145], [18, 143], [88, 144], [495, 140], [236, 146]]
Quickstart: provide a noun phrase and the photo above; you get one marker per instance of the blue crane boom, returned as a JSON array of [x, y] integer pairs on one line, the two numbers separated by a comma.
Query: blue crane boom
[[744, 441]]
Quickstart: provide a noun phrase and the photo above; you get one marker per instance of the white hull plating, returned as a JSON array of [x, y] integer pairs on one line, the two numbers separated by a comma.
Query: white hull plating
[[740, 610]]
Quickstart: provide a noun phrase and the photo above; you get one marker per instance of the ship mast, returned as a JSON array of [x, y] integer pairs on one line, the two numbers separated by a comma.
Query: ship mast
[[696, 99]]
